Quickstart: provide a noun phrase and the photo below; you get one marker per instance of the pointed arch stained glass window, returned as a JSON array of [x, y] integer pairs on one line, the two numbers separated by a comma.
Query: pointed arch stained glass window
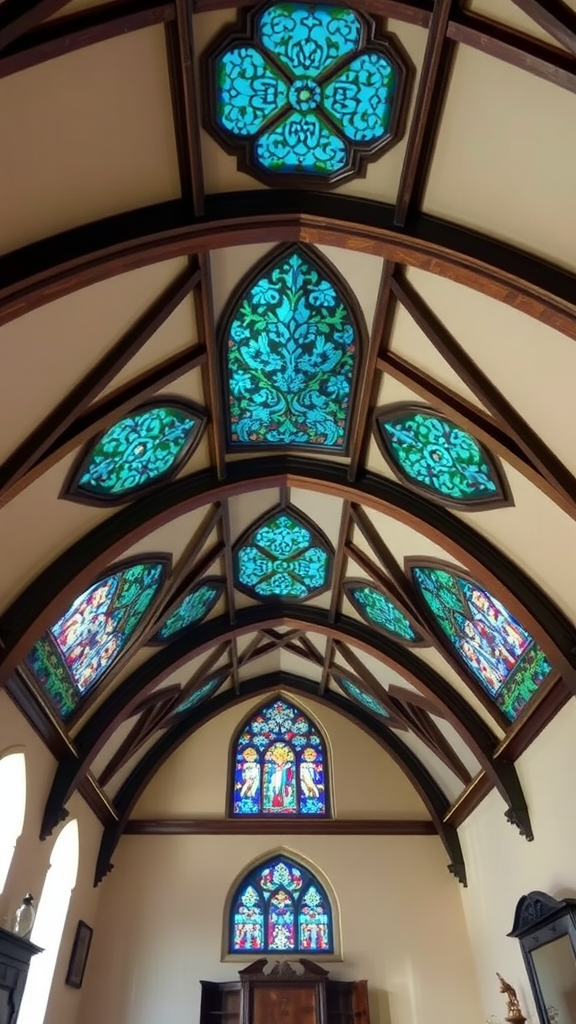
[[291, 347], [283, 557], [379, 611], [306, 91], [280, 764], [193, 608], [77, 651], [140, 450], [363, 698], [498, 652], [439, 457], [279, 907]]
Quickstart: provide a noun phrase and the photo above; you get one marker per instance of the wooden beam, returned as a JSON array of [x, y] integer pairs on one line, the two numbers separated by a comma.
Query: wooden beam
[[296, 826], [555, 17], [180, 46], [19, 16]]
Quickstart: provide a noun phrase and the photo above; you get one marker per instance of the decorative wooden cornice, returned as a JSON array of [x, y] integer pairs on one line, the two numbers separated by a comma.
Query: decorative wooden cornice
[[266, 827]]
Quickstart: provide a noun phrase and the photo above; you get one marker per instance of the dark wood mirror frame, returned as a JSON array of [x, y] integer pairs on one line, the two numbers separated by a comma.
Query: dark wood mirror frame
[[546, 930]]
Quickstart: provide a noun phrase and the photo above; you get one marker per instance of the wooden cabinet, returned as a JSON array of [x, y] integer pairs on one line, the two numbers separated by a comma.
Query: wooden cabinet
[[284, 996], [15, 956]]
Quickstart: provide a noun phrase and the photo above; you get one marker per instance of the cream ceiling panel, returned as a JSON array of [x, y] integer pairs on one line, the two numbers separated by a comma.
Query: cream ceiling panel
[[405, 541], [433, 657], [457, 743], [300, 666], [248, 507], [362, 274], [108, 109], [117, 780], [111, 746], [506, 168], [173, 537], [446, 779], [228, 267], [507, 13], [52, 348], [385, 676], [532, 364], [261, 666], [321, 509]]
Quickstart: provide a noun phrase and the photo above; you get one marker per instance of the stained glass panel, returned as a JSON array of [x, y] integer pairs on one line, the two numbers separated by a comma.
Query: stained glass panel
[[140, 449], [199, 695], [434, 453], [378, 610], [362, 697], [279, 764], [305, 89], [291, 346], [282, 558], [74, 654], [499, 653], [280, 906], [192, 608]]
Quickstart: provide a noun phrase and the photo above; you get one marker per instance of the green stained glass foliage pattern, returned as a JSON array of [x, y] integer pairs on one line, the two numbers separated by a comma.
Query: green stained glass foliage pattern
[[138, 450], [199, 695], [282, 560], [192, 608], [76, 652], [291, 350], [434, 453], [305, 90], [379, 610], [363, 698], [498, 652]]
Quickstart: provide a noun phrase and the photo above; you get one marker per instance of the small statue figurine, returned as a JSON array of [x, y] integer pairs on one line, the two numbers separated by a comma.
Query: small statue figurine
[[515, 1015]]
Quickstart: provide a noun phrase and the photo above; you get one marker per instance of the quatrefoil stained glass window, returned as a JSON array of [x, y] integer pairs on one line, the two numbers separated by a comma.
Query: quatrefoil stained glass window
[[291, 348], [305, 92], [280, 764], [77, 651], [283, 556], [362, 697], [380, 611], [142, 449], [278, 907], [438, 457], [192, 608], [497, 651]]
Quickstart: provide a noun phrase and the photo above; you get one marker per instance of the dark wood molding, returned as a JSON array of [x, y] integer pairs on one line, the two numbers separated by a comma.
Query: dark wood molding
[[19, 16], [555, 17], [469, 800], [56, 266], [296, 826], [97, 801], [180, 50]]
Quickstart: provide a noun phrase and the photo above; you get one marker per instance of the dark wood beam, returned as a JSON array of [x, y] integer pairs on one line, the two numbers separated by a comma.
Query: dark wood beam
[[180, 46], [296, 826], [555, 17], [19, 16]]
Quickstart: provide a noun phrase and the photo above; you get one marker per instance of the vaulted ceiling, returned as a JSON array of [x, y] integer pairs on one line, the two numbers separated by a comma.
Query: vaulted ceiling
[[130, 236]]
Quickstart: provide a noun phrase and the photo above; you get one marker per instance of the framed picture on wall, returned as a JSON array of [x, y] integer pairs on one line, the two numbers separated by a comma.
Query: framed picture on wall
[[79, 955]]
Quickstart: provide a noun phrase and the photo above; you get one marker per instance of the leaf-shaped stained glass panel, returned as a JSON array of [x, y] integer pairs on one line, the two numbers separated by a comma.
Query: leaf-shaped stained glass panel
[[76, 652], [291, 346], [363, 698], [380, 611], [492, 645], [140, 450], [199, 695], [192, 608], [282, 557]]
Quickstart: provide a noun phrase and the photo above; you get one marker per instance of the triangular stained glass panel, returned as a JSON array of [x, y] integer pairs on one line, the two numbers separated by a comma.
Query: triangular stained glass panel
[[492, 645], [291, 345], [283, 557], [73, 656]]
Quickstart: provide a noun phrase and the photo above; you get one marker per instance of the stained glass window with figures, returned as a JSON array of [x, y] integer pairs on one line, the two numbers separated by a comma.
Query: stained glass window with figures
[[280, 764]]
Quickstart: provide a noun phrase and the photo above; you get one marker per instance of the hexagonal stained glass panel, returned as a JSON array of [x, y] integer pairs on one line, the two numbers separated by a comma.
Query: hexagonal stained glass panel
[[77, 651], [435, 455], [363, 698], [140, 450], [380, 611], [283, 557], [192, 608], [492, 645], [291, 348], [307, 91]]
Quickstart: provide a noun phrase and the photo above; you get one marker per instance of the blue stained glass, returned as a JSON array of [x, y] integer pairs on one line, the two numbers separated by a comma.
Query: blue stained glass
[[202, 693], [192, 608], [282, 559], [280, 906], [73, 655], [318, 84], [437, 455], [291, 352], [379, 610], [138, 450], [279, 765], [499, 653], [370, 702]]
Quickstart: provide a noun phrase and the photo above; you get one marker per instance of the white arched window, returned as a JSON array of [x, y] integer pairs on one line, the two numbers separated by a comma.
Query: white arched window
[[49, 924], [12, 807]]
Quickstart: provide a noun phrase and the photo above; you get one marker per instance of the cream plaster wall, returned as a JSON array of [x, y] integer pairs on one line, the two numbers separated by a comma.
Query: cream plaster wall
[[502, 866], [32, 857]]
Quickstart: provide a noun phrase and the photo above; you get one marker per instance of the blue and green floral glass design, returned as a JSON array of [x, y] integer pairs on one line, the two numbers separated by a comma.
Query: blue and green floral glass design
[[291, 348], [306, 92], [378, 610], [283, 557], [279, 764], [280, 907], [361, 697], [76, 652], [190, 610], [198, 696], [435, 455], [135, 453], [492, 645]]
